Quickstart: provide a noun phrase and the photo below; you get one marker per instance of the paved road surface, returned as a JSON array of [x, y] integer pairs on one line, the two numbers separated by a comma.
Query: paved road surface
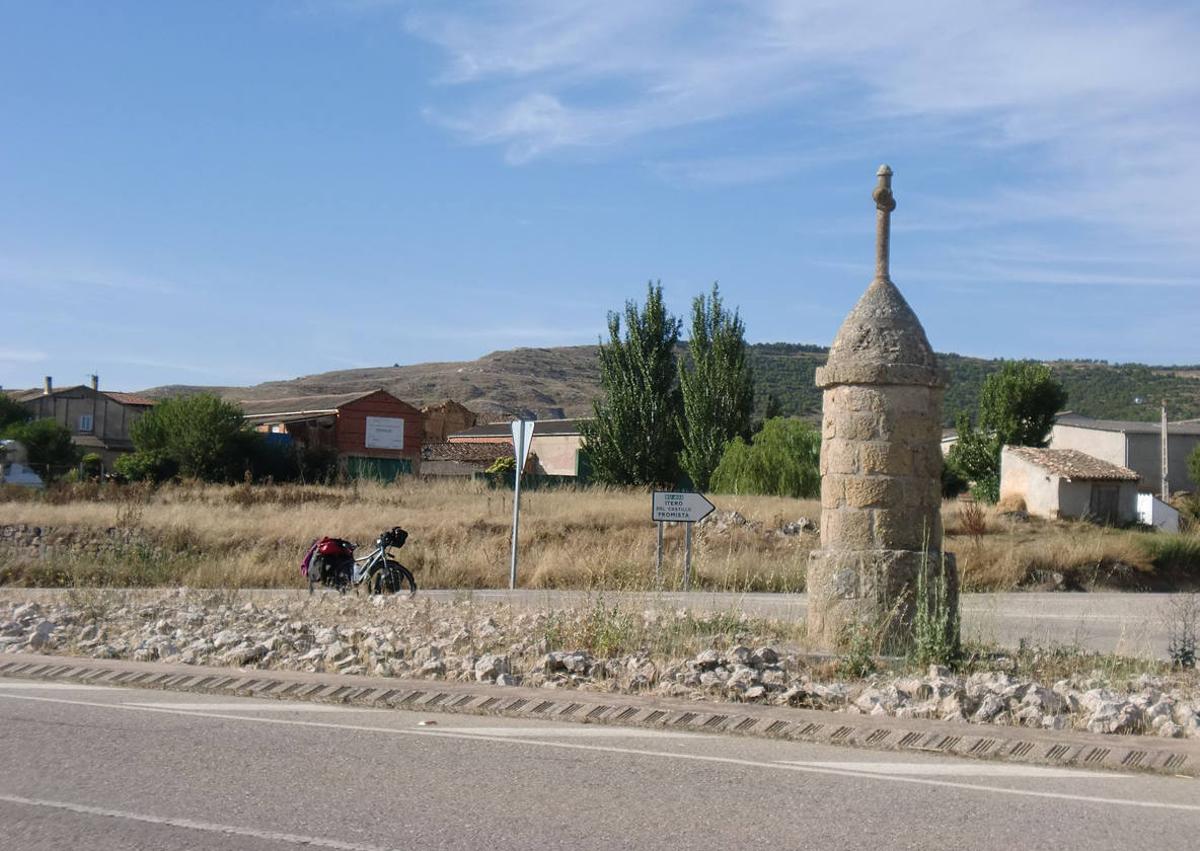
[[111, 768]]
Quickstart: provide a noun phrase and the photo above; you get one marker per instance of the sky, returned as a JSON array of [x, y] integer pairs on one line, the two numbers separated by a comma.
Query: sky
[[235, 191]]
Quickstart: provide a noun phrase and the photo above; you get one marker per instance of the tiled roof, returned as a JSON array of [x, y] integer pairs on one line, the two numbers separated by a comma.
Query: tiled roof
[[543, 427], [1073, 464], [1127, 426], [121, 398], [475, 453], [129, 398], [292, 405]]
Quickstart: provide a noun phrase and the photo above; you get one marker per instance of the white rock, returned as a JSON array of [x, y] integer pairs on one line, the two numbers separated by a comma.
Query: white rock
[[490, 666]]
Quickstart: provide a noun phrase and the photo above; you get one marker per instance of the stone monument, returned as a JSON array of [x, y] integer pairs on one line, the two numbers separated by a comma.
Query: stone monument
[[881, 461]]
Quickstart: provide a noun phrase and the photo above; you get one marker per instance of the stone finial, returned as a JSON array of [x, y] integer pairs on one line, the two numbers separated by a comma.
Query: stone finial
[[885, 202], [882, 341]]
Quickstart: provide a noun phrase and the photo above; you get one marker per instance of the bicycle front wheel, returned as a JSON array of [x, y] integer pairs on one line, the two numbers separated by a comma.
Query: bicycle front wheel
[[395, 578]]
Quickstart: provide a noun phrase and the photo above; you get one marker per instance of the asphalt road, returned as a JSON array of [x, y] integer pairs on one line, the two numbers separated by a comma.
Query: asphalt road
[[113, 768]]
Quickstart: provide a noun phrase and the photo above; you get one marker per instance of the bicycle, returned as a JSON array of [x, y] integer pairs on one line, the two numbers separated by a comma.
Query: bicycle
[[376, 571]]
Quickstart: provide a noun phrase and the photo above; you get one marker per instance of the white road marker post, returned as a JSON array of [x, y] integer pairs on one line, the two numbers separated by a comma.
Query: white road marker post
[[522, 431], [681, 507]]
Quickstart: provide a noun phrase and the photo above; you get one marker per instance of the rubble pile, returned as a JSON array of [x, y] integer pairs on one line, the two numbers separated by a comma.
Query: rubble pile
[[496, 644]]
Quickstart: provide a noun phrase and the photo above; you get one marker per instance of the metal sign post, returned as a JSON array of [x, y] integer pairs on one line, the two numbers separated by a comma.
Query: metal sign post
[[522, 431], [658, 577], [687, 557], [682, 507]]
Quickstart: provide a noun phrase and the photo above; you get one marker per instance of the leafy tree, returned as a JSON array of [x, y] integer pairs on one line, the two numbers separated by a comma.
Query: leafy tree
[[1193, 464], [147, 466], [772, 408], [203, 436], [784, 459], [47, 443], [1016, 408], [717, 390], [634, 438], [12, 412]]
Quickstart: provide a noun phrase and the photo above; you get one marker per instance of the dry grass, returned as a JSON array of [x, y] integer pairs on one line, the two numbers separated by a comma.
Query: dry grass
[[253, 536], [998, 552], [591, 538]]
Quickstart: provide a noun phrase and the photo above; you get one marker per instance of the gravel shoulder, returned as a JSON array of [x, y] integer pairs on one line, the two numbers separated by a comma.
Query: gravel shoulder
[[604, 648]]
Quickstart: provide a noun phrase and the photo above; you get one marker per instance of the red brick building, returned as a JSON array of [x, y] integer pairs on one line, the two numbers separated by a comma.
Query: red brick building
[[374, 434]]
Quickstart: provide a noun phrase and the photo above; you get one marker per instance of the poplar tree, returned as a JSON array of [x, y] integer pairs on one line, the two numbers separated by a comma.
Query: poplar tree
[[717, 387], [634, 438]]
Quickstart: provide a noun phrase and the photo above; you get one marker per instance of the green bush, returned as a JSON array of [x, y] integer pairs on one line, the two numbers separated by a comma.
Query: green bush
[[505, 464], [783, 459], [147, 466], [203, 435], [11, 412]]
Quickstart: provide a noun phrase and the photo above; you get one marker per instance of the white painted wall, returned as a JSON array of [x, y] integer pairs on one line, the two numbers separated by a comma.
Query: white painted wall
[[1154, 512]]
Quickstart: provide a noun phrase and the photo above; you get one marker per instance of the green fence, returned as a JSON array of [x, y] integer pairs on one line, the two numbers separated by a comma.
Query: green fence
[[377, 469]]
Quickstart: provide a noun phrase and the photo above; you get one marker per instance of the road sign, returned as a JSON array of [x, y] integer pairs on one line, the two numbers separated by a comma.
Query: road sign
[[522, 431], [675, 507]]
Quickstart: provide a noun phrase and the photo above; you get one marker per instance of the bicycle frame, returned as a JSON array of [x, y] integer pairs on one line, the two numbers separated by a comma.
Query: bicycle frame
[[364, 566]]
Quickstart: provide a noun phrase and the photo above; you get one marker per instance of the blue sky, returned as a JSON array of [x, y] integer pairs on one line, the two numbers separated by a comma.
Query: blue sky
[[235, 191]]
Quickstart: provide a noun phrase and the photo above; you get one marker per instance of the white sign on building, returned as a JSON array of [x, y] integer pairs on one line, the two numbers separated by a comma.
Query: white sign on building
[[385, 433]]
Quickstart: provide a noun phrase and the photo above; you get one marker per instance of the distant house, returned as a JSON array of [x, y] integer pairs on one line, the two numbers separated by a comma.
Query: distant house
[[374, 434], [99, 420], [558, 444], [1066, 483], [1131, 444]]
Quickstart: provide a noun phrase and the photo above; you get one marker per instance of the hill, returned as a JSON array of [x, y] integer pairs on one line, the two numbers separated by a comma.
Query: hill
[[562, 382]]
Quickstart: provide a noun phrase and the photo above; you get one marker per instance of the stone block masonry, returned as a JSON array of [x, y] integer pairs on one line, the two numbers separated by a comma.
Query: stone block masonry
[[880, 466]]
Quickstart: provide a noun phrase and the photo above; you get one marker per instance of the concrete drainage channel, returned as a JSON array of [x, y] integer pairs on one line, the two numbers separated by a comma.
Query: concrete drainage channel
[[973, 741]]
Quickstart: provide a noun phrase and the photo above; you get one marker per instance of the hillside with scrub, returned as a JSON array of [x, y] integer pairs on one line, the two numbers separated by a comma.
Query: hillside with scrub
[[562, 382]]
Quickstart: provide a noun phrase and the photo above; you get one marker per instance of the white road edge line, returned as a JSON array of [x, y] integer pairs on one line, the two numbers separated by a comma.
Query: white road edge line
[[192, 824], [721, 760]]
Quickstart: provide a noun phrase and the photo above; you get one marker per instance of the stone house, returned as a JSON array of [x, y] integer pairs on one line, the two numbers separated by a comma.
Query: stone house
[[446, 418], [1067, 483], [1131, 444], [99, 420]]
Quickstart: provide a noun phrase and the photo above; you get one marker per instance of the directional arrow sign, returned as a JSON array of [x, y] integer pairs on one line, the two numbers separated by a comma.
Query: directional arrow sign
[[680, 507]]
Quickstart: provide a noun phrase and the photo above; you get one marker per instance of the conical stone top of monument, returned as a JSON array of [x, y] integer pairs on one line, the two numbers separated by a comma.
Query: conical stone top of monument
[[881, 341]]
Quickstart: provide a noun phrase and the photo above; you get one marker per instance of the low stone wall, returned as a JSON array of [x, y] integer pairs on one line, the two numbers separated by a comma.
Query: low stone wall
[[38, 542]]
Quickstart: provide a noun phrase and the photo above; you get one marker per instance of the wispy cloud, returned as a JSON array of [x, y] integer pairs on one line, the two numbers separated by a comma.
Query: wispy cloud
[[14, 355], [59, 275], [1103, 102]]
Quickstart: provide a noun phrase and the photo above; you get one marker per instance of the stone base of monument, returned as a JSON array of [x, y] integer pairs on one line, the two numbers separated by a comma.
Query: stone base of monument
[[852, 591]]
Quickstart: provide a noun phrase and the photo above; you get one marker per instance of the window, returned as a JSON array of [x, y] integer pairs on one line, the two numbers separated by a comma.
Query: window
[[85, 422]]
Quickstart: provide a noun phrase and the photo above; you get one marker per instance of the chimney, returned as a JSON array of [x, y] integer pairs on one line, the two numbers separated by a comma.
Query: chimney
[[49, 388], [95, 382]]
